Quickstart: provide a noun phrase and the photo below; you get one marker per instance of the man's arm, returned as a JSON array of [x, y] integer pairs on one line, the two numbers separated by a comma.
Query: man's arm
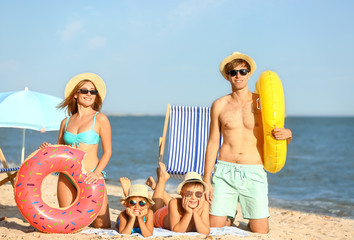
[[212, 148]]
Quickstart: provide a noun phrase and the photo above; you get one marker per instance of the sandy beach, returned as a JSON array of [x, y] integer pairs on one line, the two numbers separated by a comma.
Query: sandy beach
[[284, 224]]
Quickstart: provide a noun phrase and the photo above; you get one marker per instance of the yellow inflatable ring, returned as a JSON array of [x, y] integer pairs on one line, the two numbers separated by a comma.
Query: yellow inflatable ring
[[270, 89]]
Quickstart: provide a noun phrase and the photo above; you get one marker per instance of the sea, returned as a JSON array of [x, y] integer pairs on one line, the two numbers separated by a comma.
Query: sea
[[318, 176]]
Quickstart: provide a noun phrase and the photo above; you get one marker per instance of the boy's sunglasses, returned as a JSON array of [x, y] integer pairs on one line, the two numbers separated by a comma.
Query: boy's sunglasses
[[133, 203], [86, 91], [198, 194], [232, 73]]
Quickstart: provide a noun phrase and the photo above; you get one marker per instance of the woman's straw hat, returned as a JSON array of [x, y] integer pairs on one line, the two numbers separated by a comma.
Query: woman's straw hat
[[192, 177], [94, 78], [138, 190], [237, 55]]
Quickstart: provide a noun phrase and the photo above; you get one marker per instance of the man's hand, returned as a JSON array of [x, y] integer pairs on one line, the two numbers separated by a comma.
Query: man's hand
[[209, 194], [281, 133]]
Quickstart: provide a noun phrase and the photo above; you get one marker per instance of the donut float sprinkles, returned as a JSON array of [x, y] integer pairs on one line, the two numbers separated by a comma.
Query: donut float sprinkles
[[28, 195]]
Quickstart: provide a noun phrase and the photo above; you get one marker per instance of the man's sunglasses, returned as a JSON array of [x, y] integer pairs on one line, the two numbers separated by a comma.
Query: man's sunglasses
[[198, 194], [86, 91], [133, 203], [232, 73]]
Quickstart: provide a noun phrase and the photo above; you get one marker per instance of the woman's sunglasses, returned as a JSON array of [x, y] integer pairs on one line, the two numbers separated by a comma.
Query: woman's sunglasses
[[86, 91], [133, 203], [198, 194], [232, 73]]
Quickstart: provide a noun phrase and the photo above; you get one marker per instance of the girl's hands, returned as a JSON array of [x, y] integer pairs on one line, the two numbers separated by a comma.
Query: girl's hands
[[142, 213], [130, 213], [136, 214]]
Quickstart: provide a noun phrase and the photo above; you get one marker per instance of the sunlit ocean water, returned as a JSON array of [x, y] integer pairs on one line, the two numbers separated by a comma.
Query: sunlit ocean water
[[318, 175]]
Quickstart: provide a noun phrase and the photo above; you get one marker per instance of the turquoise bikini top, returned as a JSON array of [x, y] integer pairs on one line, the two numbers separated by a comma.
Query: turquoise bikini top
[[88, 137]]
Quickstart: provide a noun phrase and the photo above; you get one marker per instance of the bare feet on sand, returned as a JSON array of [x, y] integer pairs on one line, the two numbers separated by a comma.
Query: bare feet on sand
[[151, 183], [161, 174], [125, 182]]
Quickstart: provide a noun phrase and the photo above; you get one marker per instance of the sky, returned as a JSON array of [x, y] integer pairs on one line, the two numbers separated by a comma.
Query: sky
[[151, 53]]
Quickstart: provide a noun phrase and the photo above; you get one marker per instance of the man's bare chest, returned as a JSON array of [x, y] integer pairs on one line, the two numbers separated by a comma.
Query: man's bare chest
[[246, 117]]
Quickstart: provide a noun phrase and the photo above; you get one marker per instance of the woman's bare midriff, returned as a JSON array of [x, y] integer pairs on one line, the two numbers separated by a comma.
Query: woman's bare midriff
[[91, 160]]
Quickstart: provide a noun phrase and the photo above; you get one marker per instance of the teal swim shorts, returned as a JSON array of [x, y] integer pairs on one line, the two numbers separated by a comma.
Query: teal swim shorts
[[233, 183]]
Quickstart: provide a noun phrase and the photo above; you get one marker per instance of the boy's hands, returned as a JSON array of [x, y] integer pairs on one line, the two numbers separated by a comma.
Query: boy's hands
[[196, 209], [185, 205]]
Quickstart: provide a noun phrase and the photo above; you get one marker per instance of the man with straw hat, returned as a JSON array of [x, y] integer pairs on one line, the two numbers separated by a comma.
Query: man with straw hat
[[238, 174]]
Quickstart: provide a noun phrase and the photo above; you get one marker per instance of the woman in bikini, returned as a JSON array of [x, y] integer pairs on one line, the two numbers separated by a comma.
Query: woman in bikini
[[83, 129]]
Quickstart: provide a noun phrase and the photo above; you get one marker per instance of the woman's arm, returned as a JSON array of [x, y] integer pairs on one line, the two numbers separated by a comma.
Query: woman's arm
[[60, 136], [106, 138], [61, 132]]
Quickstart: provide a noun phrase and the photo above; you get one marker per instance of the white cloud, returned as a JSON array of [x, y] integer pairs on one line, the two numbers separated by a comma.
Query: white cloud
[[186, 12], [9, 65], [71, 31], [96, 42]]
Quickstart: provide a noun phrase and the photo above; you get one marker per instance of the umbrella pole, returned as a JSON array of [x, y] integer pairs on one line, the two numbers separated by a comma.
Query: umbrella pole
[[23, 145]]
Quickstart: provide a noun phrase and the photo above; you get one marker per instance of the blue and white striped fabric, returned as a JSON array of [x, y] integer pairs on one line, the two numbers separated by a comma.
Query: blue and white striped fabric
[[2, 170], [188, 138]]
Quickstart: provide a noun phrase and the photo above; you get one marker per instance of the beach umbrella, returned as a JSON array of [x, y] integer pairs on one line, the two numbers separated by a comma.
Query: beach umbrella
[[30, 110]]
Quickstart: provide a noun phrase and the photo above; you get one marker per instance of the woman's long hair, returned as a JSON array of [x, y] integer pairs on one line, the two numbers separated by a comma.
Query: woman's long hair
[[71, 102]]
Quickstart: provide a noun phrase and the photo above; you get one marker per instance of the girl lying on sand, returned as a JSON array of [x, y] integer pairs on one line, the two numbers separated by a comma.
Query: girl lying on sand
[[137, 217]]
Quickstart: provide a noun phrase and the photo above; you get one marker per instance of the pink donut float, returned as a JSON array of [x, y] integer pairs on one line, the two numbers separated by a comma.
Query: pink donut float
[[28, 195]]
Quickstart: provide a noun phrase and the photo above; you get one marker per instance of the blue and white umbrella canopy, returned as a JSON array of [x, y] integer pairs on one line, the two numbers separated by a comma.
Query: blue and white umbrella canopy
[[30, 110]]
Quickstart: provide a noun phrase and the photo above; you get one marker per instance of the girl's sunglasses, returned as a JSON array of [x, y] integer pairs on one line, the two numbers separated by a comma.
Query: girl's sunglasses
[[232, 73], [198, 194], [86, 91], [133, 203]]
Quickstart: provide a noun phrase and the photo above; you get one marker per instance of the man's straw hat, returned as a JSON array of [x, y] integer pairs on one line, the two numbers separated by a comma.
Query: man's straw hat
[[237, 55]]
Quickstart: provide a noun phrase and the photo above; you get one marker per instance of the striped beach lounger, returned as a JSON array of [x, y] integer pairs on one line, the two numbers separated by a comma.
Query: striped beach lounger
[[10, 176], [187, 139]]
